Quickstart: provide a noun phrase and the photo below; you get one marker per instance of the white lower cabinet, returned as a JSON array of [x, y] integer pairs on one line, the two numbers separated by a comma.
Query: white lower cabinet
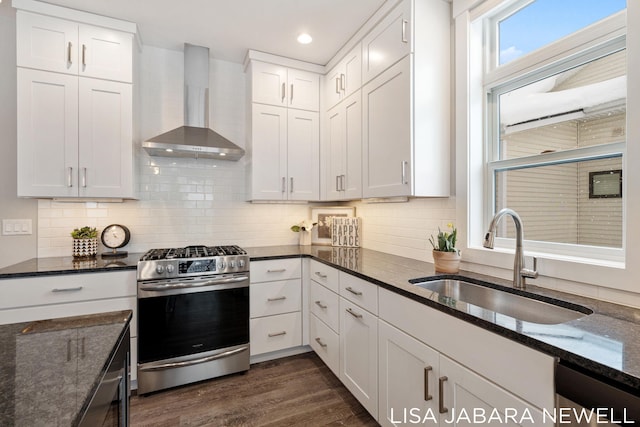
[[275, 305], [419, 385], [325, 342], [359, 354]]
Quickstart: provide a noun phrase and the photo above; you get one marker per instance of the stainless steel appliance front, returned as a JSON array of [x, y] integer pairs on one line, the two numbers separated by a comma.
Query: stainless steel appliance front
[[193, 324]]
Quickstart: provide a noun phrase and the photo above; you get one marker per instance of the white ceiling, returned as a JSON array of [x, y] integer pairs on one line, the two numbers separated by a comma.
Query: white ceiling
[[230, 27]]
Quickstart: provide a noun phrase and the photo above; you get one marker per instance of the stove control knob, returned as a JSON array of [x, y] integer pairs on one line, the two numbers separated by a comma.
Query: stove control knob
[[160, 269], [222, 265], [170, 268], [232, 264], [240, 263]]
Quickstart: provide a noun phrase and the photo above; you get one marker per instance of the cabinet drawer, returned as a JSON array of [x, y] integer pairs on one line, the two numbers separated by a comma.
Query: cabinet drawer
[[275, 332], [359, 292], [277, 269], [325, 275], [32, 291], [325, 304], [54, 311], [326, 343], [271, 298]]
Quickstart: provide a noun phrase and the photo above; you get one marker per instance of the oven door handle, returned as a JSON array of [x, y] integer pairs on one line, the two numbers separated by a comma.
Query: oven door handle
[[194, 361], [169, 286]]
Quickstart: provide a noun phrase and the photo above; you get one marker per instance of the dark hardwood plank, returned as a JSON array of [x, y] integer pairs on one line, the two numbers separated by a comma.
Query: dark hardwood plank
[[293, 391]]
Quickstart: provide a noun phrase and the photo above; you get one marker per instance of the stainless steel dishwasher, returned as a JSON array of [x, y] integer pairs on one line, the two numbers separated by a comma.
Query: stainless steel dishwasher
[[582, 400]]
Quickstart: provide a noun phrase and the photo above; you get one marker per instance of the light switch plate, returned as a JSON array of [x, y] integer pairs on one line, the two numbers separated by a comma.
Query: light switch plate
[[16, 227]]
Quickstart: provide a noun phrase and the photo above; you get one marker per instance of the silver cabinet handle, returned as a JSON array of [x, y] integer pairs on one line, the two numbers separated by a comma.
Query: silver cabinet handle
[[404, 31], [342, 85], [441, 408], [277, 299], [291, 185], [277, 270], [69, 53], [84, 177], [321, 305], [284, 184], [277, 334], [342, 177], [354, 314], [427, 396], [291, 94], [69, 176], [78, 288], [338, 85], [283, 94], [353, 291], [84, 54], [319, 341], [320, 275], [404, 172]]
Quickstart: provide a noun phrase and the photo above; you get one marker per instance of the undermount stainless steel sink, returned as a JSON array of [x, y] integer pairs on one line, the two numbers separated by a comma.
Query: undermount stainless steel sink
[[520, 307]]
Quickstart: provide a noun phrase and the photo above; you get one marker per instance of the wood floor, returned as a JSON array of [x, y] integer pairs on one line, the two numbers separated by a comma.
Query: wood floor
[[293, 391]]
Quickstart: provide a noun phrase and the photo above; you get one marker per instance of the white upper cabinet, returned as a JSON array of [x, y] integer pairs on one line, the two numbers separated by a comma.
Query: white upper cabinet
[[53, 44], [283, 154], [74, 104], [345, 78], [406, 102], [389, 41], [342, 150], [286, 87]]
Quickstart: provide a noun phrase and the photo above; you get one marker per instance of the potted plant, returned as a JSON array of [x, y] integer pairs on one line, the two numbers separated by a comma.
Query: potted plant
[[445, 255], [85, 242], [304, 228]]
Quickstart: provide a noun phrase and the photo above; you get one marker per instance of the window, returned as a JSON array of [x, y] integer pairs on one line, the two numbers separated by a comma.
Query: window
[[555, 119]]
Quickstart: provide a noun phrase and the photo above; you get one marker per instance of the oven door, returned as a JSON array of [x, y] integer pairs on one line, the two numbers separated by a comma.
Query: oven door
[[184, 317]]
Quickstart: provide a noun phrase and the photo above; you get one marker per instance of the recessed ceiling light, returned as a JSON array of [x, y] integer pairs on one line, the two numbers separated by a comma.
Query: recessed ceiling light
[[304, 38]]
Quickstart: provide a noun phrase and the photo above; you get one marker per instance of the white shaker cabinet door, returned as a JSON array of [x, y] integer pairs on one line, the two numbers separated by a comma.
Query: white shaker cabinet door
[[269, 152], [304, 90], [105, 54], [359, 354], [106, 147], [303, 155], [408, 376], [388, 42], [387, 135], [47, 125], [268, 84], [46, 43]]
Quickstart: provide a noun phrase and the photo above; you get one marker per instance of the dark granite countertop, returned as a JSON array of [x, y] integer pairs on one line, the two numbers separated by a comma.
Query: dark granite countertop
[[49, 369], [68, 265], [606, 344]]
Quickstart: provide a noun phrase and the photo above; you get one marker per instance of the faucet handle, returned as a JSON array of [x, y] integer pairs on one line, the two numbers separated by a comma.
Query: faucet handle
[[531, 274]]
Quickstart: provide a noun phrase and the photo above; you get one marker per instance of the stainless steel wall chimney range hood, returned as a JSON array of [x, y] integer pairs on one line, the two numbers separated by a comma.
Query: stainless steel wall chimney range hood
[[194, 139]]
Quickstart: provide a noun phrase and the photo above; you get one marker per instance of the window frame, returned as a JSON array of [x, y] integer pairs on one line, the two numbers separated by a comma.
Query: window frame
[[566, 272]]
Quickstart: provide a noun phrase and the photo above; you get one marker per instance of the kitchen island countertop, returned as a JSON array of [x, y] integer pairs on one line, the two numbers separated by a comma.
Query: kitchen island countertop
[[50, 369]]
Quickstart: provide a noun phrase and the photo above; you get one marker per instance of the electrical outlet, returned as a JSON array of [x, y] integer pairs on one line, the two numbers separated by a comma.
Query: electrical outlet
[[15, 227]]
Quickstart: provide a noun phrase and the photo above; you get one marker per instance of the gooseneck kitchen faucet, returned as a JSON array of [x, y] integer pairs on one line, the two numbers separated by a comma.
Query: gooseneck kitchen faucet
[[520, 273]]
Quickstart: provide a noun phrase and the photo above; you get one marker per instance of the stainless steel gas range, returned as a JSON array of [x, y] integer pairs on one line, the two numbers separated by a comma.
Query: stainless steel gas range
[[193, 315]]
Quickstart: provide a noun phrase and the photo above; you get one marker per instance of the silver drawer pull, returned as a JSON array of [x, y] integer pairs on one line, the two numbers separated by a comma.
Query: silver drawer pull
[[279, 270], [319, 341], [276, 299], [321, 305], [277, 334], [320, 275], [79, 288], [353, 291], [354, 314]]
